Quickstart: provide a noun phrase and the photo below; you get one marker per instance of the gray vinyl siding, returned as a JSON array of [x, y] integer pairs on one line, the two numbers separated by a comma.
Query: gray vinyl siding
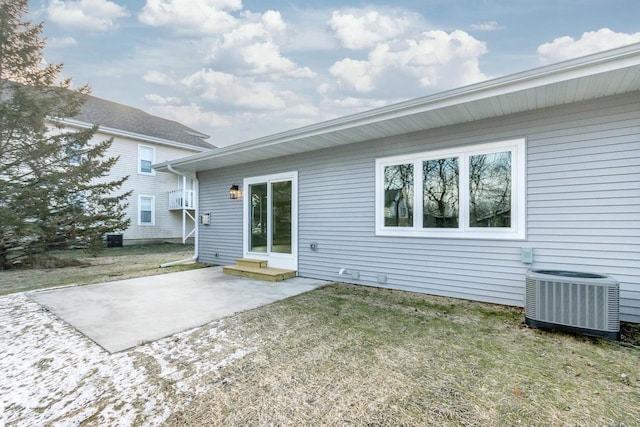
[[583, 207]]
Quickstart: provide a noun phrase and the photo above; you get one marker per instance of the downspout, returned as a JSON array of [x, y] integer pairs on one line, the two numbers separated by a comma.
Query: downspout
[[197, 220]]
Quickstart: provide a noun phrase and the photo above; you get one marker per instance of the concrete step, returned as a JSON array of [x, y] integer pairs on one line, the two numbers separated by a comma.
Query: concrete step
[[248, 262], [260, 273]]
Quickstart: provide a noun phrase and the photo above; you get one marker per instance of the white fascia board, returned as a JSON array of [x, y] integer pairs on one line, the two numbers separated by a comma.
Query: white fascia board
[[130, 135], [607, 61]]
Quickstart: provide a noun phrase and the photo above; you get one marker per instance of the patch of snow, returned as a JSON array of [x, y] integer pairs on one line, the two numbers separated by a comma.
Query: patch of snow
[[52, 374]]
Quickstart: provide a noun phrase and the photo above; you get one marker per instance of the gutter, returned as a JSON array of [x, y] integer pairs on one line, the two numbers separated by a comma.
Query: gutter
[[197, 208]]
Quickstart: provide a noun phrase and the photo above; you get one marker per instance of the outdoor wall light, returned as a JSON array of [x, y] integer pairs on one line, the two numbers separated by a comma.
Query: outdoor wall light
[[234, 192]]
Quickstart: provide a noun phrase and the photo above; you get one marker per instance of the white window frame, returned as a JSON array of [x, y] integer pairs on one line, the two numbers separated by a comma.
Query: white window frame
[[153, 210], [141, 157], [517, 231]]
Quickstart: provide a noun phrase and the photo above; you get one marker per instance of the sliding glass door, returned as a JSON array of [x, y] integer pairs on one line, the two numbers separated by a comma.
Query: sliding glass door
[[271, 219]]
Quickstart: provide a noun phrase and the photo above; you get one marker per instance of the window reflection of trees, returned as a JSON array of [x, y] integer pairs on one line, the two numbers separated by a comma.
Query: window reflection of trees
[[281, 216], [398, 194], [441, 193], [259, 206], [490, 190]]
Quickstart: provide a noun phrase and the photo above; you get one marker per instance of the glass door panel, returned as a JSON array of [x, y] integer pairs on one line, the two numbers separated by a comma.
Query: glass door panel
[[270, 218], [259, 208], [281, 217]]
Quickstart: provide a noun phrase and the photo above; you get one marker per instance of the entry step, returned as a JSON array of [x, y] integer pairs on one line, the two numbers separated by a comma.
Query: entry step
[[248, 262], [257, 269]]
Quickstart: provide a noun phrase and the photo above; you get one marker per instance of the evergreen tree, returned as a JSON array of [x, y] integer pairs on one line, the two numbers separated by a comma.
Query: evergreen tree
[[54, 184]]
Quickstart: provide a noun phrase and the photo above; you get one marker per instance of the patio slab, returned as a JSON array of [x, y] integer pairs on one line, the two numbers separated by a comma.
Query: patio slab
[[122, 314]]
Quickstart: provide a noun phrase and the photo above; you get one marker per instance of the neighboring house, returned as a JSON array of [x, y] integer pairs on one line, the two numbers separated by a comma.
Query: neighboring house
[[547, 159], [162, 205]]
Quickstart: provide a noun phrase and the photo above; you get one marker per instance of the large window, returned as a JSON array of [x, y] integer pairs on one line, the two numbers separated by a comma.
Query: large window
[[146, 210], [146, 157], [469, 192]]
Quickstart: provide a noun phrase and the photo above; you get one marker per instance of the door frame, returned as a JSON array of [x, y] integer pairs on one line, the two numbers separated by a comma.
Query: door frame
[[275, 259]]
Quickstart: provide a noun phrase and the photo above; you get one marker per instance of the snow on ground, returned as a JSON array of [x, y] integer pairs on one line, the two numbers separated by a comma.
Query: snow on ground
[[52, 374]]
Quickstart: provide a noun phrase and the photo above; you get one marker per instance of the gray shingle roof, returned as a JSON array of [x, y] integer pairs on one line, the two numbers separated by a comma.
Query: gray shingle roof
[[98, 111]]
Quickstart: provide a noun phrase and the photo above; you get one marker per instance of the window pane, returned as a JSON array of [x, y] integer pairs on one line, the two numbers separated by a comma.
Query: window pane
[[146, 159], [145, 203], [146, 210], [441, 185], [259, 210], [281, 217], [145, 166], [145, 217], [490, 190], [398, 196]]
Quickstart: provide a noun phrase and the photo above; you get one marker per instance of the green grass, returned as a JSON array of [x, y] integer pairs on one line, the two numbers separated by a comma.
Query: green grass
[[79, 268], [348, 355]]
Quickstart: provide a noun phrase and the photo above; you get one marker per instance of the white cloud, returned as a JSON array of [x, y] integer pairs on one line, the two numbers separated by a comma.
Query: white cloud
[[307, 31], [364, 29], [486, 26], [56, 42], [567, 47], [359, 104], [92, 15], [355, 74], [158, 78], [191, 17], [437, 60], [191, 115], [254, 27], [162, 100], [273, 22], [251, 108], [230, 90], [252, 46], [266, 58]]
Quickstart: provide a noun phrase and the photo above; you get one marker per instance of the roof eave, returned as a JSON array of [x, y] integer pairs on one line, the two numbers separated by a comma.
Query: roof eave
[[130, 135], [603, 62]]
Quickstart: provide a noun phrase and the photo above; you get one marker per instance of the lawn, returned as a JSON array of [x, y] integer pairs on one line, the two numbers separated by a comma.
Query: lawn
[[347, 355], [338, 355], [112, 264]]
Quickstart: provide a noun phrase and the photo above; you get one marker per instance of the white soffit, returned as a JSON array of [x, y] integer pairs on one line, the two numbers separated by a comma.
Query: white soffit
[[607, 73]]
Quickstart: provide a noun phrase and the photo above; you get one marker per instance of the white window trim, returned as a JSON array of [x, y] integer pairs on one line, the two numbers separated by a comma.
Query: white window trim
[[278, 260], [141, 147], [517, 231], [153, 210]]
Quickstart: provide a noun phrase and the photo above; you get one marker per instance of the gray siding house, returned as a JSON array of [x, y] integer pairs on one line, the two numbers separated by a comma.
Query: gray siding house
[[441, 194]]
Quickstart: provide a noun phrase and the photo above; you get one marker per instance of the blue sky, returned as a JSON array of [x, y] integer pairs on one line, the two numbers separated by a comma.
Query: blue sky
[[238, 70]]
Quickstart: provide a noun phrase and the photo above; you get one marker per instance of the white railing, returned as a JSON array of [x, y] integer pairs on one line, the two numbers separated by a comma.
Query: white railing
[[182, 199]]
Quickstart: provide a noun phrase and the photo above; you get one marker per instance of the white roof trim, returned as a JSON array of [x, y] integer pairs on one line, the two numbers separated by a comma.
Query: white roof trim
[[535, 79], [130, 135]]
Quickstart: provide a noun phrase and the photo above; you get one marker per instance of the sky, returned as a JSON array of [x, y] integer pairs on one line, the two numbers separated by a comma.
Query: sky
[[239, 70]]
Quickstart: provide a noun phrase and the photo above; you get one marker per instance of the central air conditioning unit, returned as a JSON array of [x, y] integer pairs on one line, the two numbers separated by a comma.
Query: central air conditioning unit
[[570, 301]]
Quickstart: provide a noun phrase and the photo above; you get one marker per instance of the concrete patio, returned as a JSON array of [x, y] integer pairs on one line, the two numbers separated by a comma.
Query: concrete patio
[[122, 314]]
